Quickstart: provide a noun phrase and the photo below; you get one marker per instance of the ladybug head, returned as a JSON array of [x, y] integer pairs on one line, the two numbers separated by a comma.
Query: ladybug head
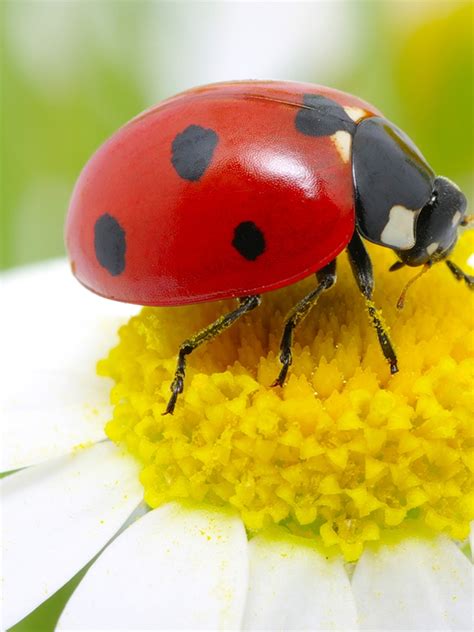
[[400, 203], [436, 228]]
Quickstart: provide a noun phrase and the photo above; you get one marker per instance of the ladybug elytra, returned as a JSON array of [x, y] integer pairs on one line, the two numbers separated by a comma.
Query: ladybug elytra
[[235, 189]]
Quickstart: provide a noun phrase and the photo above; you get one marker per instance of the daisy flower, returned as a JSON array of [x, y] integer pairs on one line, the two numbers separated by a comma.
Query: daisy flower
[[339, 502]]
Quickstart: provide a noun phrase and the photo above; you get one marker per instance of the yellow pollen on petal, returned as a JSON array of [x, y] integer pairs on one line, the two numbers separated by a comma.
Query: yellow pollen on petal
[[344, 453]]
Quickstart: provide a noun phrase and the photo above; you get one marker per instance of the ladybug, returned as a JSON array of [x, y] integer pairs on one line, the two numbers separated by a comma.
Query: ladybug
[[235, 189]]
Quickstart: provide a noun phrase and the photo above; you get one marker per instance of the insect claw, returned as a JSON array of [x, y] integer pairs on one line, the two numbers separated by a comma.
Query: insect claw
[[176, 389], [170, 408], [396, 266], [282, 376], [469, 219]]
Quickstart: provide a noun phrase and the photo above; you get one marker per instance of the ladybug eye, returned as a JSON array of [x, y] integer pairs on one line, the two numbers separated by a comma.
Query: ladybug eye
[[436, 226]]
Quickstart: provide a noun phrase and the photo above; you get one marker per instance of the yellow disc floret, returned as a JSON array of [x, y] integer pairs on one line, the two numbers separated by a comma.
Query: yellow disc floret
[[344, 451]]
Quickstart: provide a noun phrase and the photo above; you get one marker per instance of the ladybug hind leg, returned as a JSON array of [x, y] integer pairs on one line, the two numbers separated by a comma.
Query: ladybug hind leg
[[362, 269], [246, 304], [327, 278]]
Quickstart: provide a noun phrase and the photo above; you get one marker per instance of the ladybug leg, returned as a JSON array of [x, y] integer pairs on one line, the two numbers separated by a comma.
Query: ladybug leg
[[362, 269], [460, 275], [326, 277], [246, 304]]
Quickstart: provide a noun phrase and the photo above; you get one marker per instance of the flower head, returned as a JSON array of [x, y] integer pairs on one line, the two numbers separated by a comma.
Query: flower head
[[379, 457], [344, 451]]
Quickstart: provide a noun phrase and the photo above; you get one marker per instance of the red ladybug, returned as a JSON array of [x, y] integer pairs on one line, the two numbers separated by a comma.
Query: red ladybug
[[235, 189]]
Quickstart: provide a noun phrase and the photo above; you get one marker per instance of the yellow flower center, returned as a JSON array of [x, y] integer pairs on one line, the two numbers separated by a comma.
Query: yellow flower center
[[344, 452]]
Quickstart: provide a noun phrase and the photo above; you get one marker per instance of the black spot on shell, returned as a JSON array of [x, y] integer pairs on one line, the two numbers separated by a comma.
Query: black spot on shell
[[322, 117], [110, 245], [192, 151], [248, 240]]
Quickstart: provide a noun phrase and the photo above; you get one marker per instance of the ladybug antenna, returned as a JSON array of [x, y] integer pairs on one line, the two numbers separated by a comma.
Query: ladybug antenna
[[401, 300], [469, 219]]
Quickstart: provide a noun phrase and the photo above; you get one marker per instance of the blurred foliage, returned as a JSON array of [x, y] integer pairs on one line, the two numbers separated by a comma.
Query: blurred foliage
[[45, 617], [51, 125], [64, 93], [419, 72], [436, 92]]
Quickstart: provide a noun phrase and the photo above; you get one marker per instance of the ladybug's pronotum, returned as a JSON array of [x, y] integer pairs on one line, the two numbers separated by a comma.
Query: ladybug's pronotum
[[235, 189]]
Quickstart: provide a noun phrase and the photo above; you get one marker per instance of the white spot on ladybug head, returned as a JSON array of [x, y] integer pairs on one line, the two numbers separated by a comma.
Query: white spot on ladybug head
[[456, 218], [399, 231], [356, 114], [343, 143], [433, 247]]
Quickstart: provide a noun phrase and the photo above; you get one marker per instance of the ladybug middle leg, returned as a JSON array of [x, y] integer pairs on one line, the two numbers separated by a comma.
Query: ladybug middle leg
[[327, 278], [362, 269], [246, 304]]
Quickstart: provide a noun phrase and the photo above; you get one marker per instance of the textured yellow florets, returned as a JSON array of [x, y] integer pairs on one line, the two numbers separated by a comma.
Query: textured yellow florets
[[344, 451]]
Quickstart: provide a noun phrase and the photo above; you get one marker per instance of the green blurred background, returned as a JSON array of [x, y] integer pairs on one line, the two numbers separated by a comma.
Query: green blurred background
[[72, 72]]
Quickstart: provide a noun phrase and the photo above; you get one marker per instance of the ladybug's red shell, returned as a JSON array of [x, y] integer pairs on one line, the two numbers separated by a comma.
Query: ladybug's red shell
[[154, 222]]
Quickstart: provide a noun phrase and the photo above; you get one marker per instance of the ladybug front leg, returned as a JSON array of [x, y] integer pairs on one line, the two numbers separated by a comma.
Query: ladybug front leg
[[246, 304], [460, 275], [326, 277], [362, 269]]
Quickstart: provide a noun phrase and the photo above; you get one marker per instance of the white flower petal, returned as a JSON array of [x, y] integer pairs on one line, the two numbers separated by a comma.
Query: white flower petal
[[56, 517], [175, 568], [45, 414], [294, 587], [471, 540], [52, 335], [414, 585], [53, 322]]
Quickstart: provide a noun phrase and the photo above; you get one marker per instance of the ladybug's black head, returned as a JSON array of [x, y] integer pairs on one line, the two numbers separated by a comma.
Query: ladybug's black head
[[400, 204], [436, 228]]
